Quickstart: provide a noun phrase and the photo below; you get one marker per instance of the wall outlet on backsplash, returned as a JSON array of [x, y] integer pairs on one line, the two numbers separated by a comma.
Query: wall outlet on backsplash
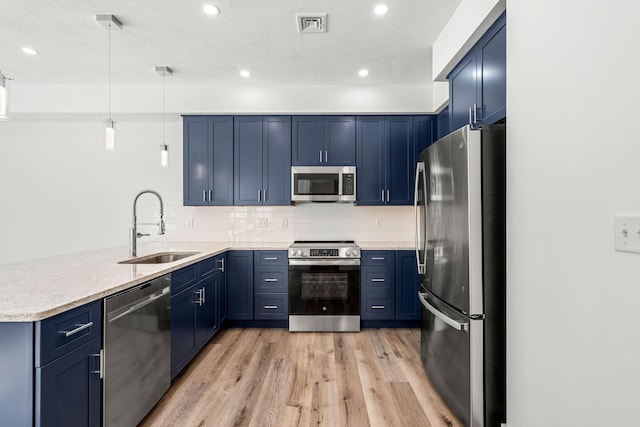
[[379, 223], [284, 223], [190, 223], [262, 223]]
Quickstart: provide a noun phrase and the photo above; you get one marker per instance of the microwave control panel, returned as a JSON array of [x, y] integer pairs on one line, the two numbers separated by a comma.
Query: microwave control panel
[[348, 184]]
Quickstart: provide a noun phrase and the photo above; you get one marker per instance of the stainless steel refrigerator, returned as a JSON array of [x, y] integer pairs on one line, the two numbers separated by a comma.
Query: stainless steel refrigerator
[[460, 250]]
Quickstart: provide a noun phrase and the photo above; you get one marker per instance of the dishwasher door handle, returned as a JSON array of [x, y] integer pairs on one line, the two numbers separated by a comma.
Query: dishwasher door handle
[[141, 304]]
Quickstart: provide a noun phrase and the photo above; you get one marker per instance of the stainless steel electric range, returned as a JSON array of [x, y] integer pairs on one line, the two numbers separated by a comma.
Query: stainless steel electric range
[[324, 286]]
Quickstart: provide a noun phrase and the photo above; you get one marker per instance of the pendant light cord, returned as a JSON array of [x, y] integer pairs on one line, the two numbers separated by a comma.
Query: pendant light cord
[[110, 71], [164, 110]]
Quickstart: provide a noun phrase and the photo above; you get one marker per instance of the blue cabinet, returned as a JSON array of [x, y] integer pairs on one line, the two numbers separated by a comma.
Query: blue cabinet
[[443, 123], [377, 291], [477, 85], [208, 160], [271, 285], [262, 160], [425, 133], [221, 265], [407, 286], [195, 316], [323, 141], [386, 158], [240, 285]]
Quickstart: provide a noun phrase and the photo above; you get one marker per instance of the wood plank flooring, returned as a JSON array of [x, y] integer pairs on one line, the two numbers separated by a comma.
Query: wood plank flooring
[[271, 377]]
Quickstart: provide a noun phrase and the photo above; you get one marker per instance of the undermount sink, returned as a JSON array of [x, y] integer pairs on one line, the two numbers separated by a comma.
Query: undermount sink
[[159, 258]]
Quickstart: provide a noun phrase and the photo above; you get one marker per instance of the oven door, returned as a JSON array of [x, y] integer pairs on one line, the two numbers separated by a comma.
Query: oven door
[[324, 287]]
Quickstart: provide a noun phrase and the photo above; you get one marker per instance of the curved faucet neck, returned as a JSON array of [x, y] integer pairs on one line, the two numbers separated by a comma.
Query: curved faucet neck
[[135, 202]]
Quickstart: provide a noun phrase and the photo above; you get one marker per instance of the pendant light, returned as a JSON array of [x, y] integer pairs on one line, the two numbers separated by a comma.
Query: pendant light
[[109, 21], [4, 97], [164, 148]]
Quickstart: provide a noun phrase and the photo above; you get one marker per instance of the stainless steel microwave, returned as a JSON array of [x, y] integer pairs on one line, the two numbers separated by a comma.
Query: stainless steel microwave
[[323, 184]]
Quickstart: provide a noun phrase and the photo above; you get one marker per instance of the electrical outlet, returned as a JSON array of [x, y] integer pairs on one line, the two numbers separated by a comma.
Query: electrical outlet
[[262, 223], [626, 233], [284, 223], [190, 223], [379, 223]]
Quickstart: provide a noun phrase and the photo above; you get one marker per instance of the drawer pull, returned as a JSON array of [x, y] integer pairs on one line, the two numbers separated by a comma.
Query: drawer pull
[[270, 280], [78, 329], [377, 280], [271, 307], [377, 258], [271, 258], [377, 307]]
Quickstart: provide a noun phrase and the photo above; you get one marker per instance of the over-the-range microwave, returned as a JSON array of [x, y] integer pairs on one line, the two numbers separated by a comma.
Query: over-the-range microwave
[[323, 184]]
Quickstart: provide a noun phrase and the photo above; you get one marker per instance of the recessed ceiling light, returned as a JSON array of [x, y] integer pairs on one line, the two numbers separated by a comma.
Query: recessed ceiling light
[[381, 9], [245, 73], [210, 9], [29, 51], [363, 73]]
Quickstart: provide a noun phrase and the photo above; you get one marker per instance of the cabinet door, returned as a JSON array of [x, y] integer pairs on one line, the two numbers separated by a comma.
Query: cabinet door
[[248, 160], [340, 140], [240, 285], [221, 149], [206, 310], [400, 157], [276, 177], [307, 140], [424, 133], [196, 161], [443, 124], [183, 329], [407, 286], [221, 263], [493, 73], [462, 91], [370, 142], [68, 390]]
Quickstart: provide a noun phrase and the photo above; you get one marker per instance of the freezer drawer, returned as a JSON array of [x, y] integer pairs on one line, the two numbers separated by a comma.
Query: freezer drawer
[[451, 352]]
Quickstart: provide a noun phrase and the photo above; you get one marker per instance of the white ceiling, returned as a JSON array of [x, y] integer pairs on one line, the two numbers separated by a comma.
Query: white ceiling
[[258, 35]]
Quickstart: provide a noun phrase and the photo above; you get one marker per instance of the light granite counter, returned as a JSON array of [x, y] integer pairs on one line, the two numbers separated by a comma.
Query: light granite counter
[[37, 289], [40, 288]]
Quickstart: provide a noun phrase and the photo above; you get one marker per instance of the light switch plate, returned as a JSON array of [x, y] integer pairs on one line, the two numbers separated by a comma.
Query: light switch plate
[[262, 223], [626, 232]]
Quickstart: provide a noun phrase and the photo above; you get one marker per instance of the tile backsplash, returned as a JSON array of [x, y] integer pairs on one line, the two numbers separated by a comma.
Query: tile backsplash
[[331, 221]]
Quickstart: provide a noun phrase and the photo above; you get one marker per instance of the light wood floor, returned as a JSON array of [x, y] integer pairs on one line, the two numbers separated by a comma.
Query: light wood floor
[[271, 377]]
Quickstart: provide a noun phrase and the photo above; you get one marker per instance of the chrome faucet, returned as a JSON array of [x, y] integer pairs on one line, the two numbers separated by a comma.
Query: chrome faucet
[[133, 231]]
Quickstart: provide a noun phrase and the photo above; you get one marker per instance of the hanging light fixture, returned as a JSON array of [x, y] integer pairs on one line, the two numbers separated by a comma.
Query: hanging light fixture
[[4, 97], [164, 148], [109, 21]]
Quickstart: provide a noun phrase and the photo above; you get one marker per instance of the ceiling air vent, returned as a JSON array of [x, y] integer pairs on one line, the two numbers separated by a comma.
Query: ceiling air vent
[[311, 22]]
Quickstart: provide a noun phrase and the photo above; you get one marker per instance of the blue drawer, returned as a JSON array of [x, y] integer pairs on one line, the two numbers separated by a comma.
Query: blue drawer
[[270, 280], [183, 278], [270, 258], [386, 258], [271, 306], [377, 307], [377, 280]]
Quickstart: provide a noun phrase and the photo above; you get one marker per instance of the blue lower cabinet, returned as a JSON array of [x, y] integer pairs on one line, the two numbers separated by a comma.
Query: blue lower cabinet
[[407, 286], [68, 389], [183, 329], [206, 310], [221, 263], [271, 306], [240, 285], [377, 306]]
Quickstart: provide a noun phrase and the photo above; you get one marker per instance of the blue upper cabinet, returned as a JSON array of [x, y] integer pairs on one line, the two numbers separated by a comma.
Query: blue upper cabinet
[[323, 141], [443, 124], [477, 85], [386, 157], [208, 160], [424, 133], [262, 160]]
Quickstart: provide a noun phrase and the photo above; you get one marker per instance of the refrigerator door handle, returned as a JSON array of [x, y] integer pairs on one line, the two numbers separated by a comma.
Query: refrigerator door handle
[[460, 326], [419, 170]]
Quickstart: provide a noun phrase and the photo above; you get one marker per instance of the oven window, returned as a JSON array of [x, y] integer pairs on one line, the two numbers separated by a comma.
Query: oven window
[[324, 289], [316, 183]]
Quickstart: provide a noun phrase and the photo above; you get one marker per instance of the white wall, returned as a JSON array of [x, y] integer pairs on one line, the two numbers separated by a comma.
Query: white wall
[[61, 192], [573, 328]]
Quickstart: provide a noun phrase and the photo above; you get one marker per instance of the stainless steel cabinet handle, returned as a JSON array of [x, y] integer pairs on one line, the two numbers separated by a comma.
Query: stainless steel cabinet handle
[[388, 195], [271, 307], [475, 113], [326, 156], [377, 307], [377, 280], [270, 280], [382, 196], [78, 329], [99, 371], [264, 195], [320, 155], [204, 196], [271, 258], [221, 261], [210, 195], [377, 258], [460, 326], [204, 293], [200, 299]]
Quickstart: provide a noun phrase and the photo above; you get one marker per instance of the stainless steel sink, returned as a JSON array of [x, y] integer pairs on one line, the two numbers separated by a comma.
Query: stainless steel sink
[[159, 258]]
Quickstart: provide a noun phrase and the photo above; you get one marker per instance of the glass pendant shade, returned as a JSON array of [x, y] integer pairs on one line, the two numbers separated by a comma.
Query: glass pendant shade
[[4, 98], [164, 155], [110, 135]]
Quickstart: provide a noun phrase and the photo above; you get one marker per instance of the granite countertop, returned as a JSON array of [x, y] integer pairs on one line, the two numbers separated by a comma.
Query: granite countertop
[[40, 288]]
